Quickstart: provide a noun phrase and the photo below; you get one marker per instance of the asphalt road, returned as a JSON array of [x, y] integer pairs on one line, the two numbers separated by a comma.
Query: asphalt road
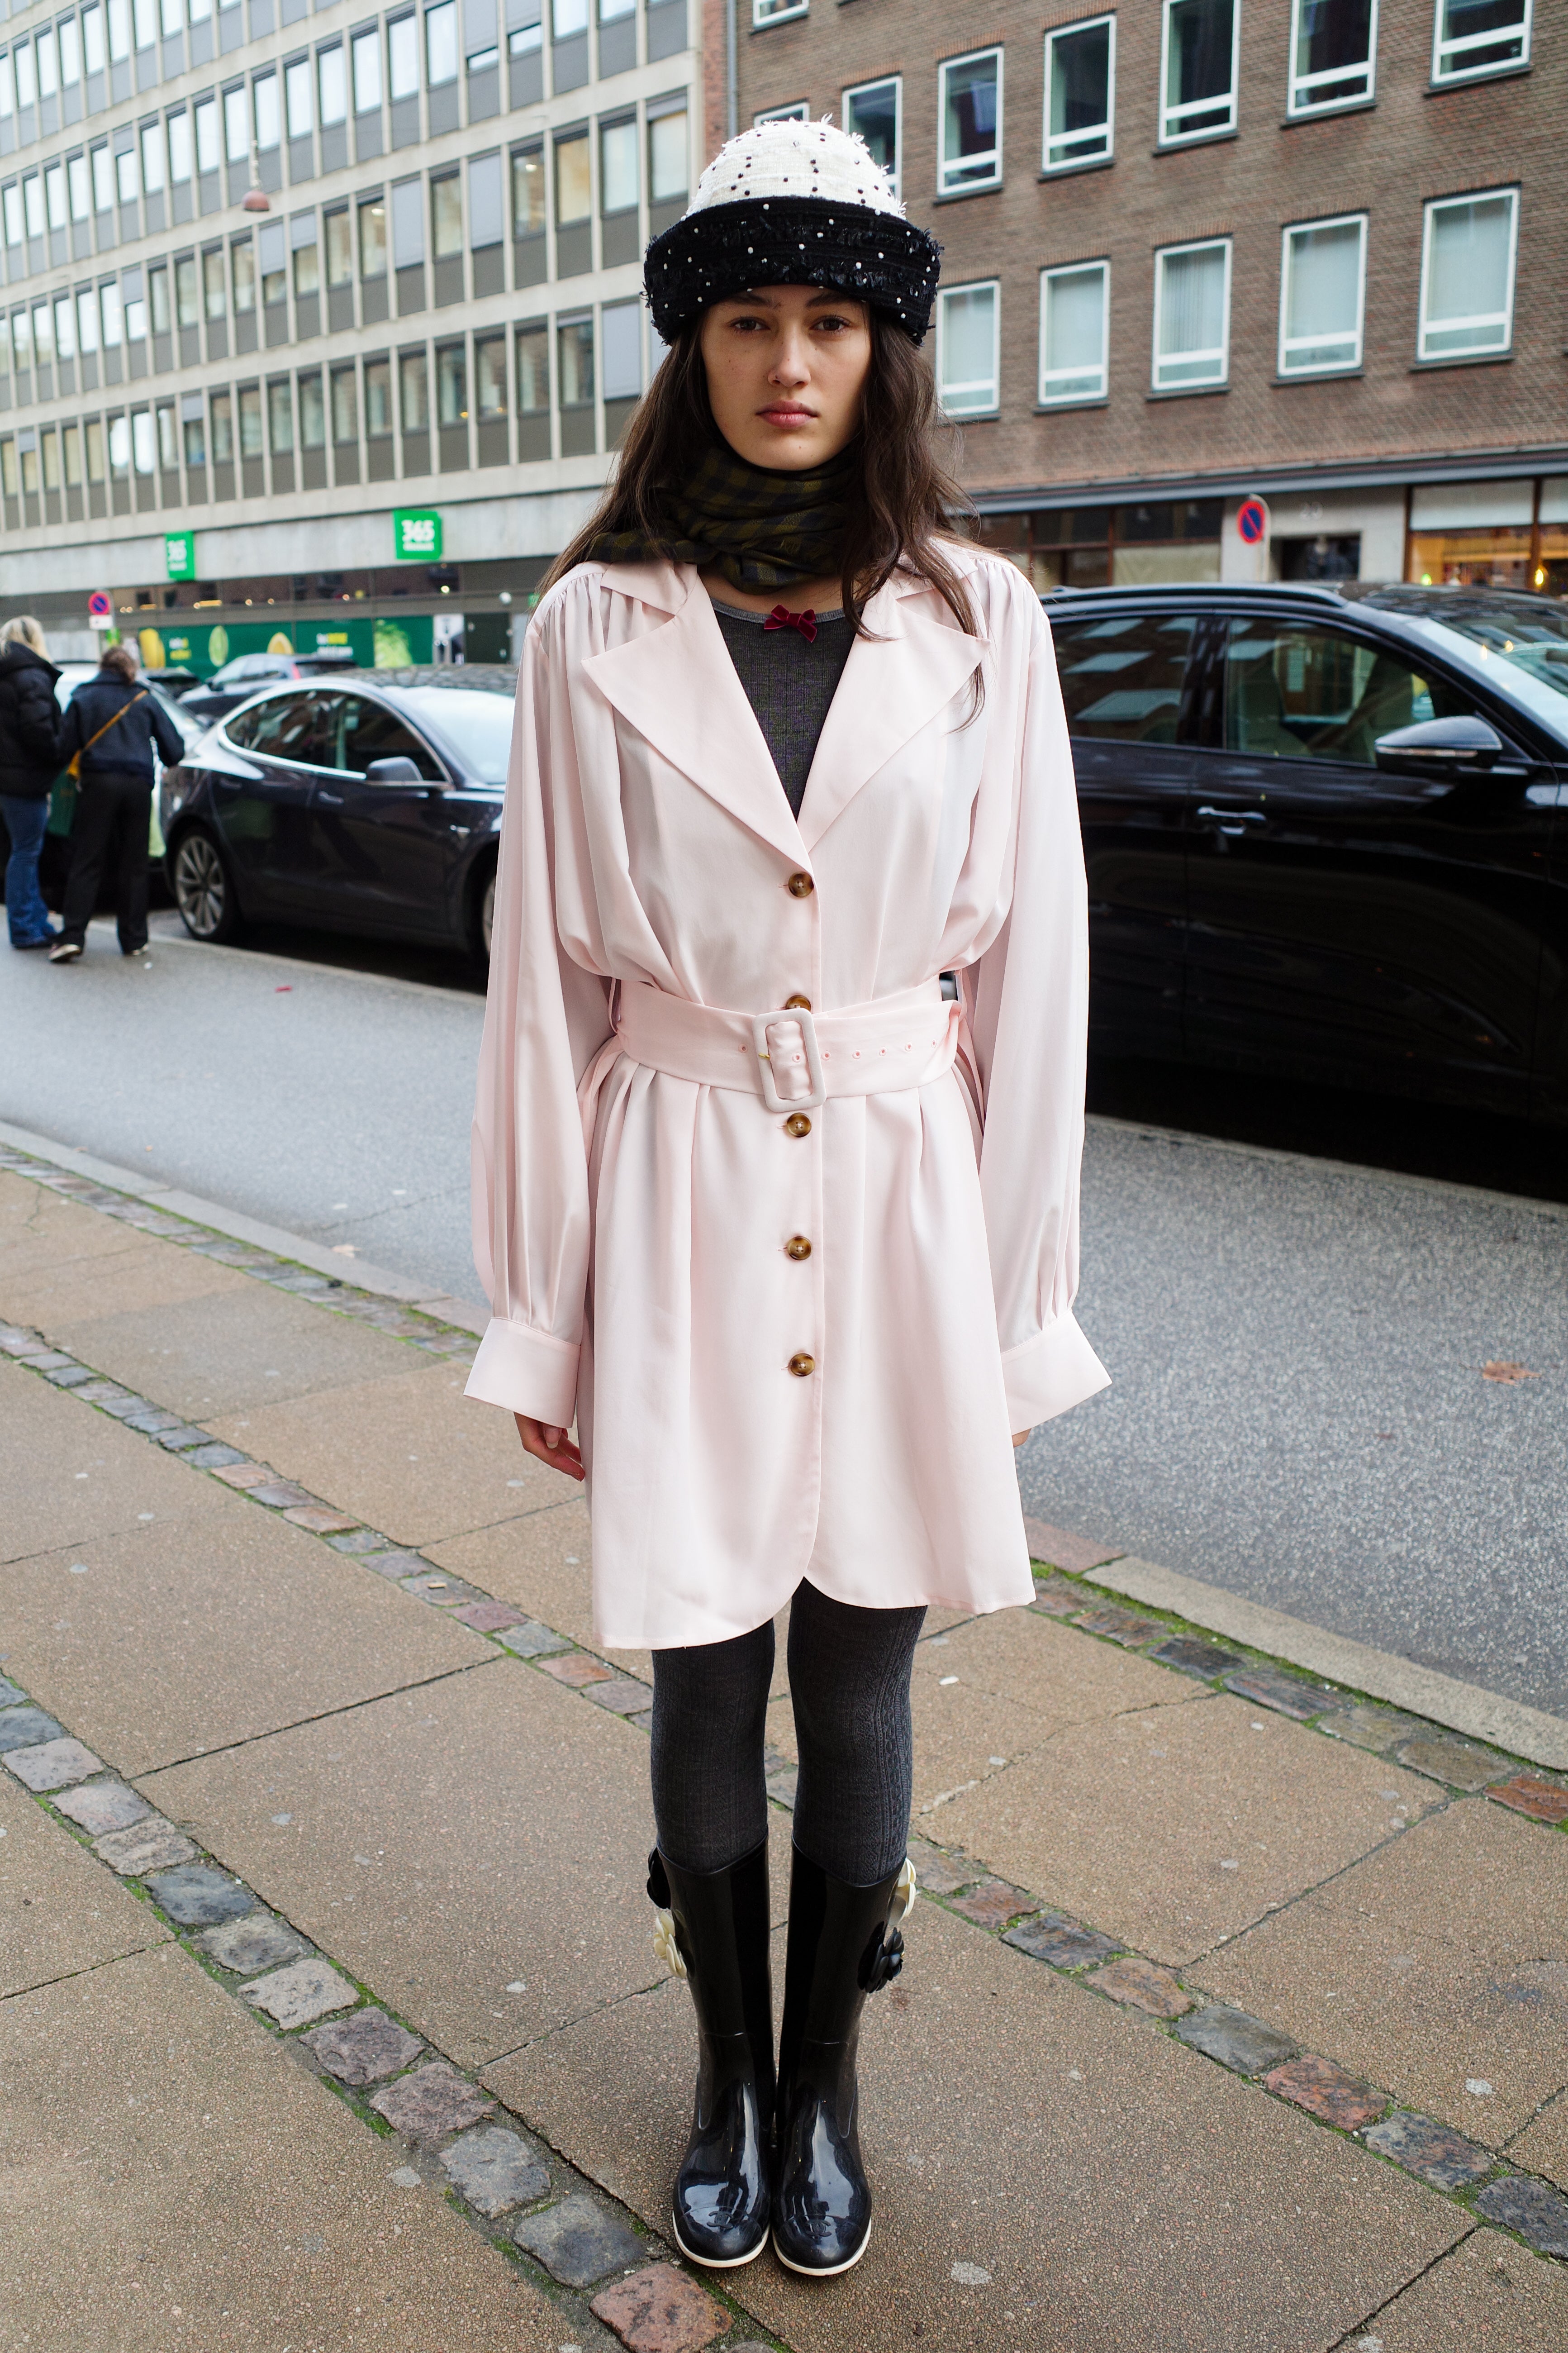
[[1299, 1410]]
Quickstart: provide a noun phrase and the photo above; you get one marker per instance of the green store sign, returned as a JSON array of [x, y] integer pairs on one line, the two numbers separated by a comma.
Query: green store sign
[[384, 644], [416, 534], [180, 555]]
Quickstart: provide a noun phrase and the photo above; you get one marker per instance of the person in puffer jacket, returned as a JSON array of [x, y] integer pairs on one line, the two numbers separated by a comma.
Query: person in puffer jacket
[[118, 727], [29, 763]]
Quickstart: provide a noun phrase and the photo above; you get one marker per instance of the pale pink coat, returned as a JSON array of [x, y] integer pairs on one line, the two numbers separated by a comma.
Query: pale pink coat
[[631, 1244]]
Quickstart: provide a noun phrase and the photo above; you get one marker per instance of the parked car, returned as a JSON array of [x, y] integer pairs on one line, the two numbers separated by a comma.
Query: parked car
[[239, 680], [368, 805], [1327, 832], [75, 673]]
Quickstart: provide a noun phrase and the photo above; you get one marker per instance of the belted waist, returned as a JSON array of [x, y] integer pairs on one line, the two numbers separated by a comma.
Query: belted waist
[[794, 1059]]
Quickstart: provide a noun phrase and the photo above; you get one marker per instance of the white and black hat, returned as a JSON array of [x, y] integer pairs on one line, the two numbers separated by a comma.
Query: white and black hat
[[792, 204]]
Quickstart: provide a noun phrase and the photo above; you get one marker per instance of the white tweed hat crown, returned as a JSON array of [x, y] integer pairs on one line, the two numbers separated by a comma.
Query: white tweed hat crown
[[796, 159]]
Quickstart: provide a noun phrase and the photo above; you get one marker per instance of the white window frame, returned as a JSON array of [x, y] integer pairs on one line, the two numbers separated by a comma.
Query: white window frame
[[774, 12], [797, 111], [1075, 398], [1296, 105], [1222, 349], [1324, 367], [881, 81], [946, 294], [1179, 138], [1068, 138], [1424, 326], [949, 65], [1445, 73]]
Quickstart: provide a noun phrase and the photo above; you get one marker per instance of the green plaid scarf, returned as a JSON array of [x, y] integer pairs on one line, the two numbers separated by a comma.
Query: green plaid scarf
[[759, 529]]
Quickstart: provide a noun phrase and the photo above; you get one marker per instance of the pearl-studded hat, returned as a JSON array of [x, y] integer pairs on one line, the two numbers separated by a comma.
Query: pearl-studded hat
[[792, 204]]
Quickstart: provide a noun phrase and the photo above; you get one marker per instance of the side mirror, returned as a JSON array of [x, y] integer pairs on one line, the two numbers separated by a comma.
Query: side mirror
[[1440, 747], [398, 771]]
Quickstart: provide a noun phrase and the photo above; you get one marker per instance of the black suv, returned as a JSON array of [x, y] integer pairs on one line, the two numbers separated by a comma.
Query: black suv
[[1327, 832]]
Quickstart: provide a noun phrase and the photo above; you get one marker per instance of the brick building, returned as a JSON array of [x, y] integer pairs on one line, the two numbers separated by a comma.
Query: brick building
[[1316, 249]]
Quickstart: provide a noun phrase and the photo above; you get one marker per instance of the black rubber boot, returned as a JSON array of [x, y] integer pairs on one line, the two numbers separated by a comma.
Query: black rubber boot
[[724, 2185], [842, 1946]]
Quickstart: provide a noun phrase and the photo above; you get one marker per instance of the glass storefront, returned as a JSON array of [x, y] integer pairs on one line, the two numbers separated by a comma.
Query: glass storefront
[[1110, 546]]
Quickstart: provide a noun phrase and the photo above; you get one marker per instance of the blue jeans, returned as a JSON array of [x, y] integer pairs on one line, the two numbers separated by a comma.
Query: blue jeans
[[25, 913]]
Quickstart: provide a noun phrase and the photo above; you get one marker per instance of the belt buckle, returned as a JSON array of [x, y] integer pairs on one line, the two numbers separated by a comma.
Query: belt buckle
[[805, 1021]]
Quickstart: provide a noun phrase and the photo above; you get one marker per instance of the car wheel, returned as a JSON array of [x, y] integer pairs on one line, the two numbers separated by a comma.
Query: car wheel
[[484, 907], [203, 889]]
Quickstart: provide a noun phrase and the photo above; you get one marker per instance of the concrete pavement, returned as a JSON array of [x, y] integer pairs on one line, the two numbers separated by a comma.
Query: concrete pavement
[[1237, 2014]]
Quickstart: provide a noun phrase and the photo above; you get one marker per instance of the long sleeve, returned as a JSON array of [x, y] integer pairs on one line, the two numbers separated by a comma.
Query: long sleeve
[[545, 1018], [37, 717], [1027, 1006], [167, 737], [71, 738]]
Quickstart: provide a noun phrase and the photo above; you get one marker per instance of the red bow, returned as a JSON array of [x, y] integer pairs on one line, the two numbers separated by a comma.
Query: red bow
[[781, 618]]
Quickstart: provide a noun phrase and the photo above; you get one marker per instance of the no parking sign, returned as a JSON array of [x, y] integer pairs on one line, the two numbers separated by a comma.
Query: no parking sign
[[1252, 522], [99, 608]]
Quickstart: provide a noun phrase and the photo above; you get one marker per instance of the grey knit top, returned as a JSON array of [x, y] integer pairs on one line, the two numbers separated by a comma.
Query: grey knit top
[[789, 684]]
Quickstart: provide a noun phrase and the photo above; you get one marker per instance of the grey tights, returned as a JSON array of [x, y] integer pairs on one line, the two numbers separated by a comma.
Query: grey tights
[[849, 1682]]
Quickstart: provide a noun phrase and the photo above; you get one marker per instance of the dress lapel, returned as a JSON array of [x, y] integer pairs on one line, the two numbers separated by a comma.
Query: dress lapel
[[907, 668], [677, 686]]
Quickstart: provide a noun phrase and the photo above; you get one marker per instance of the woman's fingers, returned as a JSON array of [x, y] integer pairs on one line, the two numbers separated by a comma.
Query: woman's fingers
[[1019, 1436], [549, 1444]]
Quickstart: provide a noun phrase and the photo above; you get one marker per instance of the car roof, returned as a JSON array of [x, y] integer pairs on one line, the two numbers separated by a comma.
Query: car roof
[[1408, 599]]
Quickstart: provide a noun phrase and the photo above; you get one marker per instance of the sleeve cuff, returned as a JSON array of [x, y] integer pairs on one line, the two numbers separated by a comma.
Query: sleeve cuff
[[1047, 1375], [526, 1372]]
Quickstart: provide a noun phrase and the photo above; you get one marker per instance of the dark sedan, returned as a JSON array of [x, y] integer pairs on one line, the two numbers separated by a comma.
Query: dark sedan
[[1327, 833], [367, 804], [239, 680]]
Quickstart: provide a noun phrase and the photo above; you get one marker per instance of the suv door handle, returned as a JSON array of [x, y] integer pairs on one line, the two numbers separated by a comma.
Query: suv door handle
[[1231, 822], [332, 800]]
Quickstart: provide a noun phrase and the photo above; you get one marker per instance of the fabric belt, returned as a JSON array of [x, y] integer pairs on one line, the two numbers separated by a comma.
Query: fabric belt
[[794, 1059]]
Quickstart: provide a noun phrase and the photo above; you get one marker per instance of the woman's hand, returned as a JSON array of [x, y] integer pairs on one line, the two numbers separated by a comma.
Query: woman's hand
[[1018, 1436], [548, 1444]]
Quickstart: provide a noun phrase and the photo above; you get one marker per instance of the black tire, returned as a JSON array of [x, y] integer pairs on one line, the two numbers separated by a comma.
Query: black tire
[[203, 884], [481, 908]]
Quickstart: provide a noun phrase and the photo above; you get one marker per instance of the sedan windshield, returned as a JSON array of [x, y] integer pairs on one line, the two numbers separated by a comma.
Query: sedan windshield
[[477, 724]]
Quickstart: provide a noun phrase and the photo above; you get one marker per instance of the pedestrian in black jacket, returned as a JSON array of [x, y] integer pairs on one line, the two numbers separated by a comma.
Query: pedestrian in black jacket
[[116, 725], [29, 763]]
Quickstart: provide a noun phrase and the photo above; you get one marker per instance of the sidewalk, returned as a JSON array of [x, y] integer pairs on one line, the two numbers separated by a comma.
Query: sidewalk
[[1237, 2015]]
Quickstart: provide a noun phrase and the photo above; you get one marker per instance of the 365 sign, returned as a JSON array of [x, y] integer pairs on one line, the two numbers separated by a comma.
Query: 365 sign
[[416, 533], [180, 555]]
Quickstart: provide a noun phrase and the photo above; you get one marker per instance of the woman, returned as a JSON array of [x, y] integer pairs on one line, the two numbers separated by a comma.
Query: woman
[[29, 763], [794, 1237], [116, 725]]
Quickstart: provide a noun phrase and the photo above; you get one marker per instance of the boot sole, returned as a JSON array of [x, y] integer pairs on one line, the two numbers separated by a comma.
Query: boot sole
[[817, 2270], [717, 2263]]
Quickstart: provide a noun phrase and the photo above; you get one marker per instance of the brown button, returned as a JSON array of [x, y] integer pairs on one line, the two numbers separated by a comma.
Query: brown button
[[797, 1247], [800, 886], [802, 1365], [797, 1124], [797, 1005]]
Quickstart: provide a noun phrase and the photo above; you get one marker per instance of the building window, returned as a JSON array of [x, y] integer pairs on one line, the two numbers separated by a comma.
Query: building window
[[446, 216], [264, 92], [1074, 305], [441, 44], [366, 61], [534, 371], [414, 392], [205, 111], [345, 406], [188, 295], [968, 349], [768, 11], [332, 88], [179, 148], [1197, 74], [797, 111], [377, 399], [307, 257], [573, 199], [250, 420], [80, 188], [451, 384], [242, 257], [213, 289], [618, 166], [280, 417], [1467, 275], [574, 347], [970, 111], [403, 57], [312, 412], [1334, 50], [875, 112], [620, 336], [1192, 315], [528, 192], [1080, 94], [1480, 36], [372, 238], [340, 249], [196, 439], [143, 441], [489, 377], [667, 157], [297, 106], [1323, 294], [223, 428]]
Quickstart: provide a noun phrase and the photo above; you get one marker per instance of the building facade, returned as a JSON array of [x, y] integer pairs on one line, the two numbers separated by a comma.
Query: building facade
[[1200, 250], [319, 327]]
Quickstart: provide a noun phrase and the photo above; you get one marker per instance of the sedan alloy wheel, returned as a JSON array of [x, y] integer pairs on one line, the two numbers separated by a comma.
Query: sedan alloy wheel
[[203, 891]]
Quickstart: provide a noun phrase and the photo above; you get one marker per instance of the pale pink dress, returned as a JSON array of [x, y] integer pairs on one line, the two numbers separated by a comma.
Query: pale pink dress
[[629, 1225]]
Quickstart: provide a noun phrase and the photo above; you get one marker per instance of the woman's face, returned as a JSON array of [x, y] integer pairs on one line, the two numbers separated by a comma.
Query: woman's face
[[786, 368]]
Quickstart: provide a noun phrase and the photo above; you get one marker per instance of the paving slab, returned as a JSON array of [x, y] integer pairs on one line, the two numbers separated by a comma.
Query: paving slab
[[1542, 2147], [579, 2240], [495, 2169], [58, 1284], [68, 1472], [40, 1229], [1171, 1827], [61, 1912], [225, 2195], [407, 1453], [229, 1351], [1114, 2173], [542, 1564], [447, 1843], [186, 1636], [1440, 1961], [365, 2048], [1491, 2291]]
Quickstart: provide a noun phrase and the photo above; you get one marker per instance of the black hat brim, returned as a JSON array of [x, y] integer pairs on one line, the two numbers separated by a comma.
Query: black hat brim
[[722, 250]]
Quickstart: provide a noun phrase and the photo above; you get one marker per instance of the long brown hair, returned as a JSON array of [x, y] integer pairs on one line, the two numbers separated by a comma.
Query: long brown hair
[[899, 506]]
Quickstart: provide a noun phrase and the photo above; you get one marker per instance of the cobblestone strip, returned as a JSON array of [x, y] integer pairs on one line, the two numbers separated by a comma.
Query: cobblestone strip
[[586, 2252]]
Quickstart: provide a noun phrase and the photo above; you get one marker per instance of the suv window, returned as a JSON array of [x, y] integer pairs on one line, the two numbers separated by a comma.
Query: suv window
[[373, 732], [1122, 676], [295, 727], [1294, 692]]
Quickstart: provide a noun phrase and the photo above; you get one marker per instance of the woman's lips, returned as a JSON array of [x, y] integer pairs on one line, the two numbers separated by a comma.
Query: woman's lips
[[786, 413]]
